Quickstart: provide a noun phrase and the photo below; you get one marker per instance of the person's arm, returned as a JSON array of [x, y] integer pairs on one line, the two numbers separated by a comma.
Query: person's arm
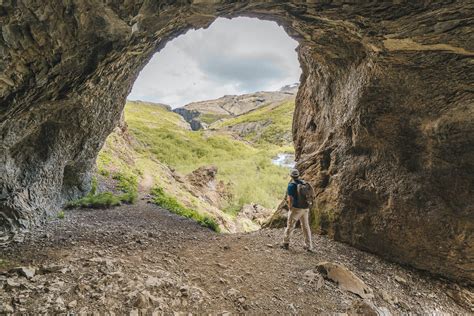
[[291, 195], [290, 202]]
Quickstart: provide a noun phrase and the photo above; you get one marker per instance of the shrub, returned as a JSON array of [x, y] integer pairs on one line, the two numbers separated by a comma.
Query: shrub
[[170, 203]]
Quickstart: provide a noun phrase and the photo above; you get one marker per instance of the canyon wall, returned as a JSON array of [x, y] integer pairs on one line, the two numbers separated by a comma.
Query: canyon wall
[[384, 123]]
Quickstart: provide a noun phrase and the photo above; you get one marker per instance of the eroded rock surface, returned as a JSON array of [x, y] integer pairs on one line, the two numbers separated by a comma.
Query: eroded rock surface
[[203, 184], [383, 127]]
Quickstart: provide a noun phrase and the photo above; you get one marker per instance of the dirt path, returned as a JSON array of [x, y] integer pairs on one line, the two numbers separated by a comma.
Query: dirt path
[[141, 259]]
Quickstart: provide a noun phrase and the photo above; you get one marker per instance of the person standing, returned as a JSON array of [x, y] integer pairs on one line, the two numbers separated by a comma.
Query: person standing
[[299, 199]]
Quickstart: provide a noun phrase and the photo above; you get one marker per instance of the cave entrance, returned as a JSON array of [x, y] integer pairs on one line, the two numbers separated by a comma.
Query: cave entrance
[[381, 112], [208, 123]]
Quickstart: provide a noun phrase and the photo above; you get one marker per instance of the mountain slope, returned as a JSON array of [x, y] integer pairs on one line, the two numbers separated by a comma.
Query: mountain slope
[[267, 124], [201, 114]]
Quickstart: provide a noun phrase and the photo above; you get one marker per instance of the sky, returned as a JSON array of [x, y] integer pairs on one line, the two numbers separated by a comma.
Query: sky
[[237, 56]]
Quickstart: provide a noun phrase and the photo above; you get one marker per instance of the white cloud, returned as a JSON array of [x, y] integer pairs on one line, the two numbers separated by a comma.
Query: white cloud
[[235, 56]]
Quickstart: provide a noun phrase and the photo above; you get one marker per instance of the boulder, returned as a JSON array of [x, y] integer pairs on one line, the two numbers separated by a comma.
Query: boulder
[[27, 272], [345, 279], [203, 184], [255, 212]]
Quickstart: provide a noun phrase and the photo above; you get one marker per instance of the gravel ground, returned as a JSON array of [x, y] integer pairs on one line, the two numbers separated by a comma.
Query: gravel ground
[[140, 259]]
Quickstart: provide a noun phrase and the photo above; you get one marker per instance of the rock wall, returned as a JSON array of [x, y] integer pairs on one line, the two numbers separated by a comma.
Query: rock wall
[[383, 125]]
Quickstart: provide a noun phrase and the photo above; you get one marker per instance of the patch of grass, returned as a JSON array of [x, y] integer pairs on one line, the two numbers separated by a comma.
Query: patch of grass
[[94, 186], [129, 185], [232, 209], [100, 200], [170, 203], [61, 215]]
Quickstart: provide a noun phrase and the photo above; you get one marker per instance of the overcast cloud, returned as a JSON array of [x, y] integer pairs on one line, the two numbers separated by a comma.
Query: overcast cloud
[[235, 56]]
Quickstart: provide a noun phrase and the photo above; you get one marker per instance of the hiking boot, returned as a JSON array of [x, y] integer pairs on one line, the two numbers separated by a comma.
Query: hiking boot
[[285, 246], [311, 250]]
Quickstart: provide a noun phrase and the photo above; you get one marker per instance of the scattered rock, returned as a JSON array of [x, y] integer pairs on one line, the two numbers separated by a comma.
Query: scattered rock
[[233, 292], [309, 276], [292, 307], [141, 301], [462, 296], [184, 290], [220, 265], [389, 298], [27, 272], [400, 280], [51, 269], [59, 301], [255, 213], [362, 308], [345, 279], [153, 282], [72, 304], [12, 283], [6, 308]]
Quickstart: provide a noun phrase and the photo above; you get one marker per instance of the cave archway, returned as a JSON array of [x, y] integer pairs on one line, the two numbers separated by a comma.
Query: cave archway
[[383, 124]]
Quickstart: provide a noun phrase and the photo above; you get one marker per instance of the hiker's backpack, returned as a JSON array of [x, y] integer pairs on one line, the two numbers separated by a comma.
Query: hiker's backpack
[[304, 194]]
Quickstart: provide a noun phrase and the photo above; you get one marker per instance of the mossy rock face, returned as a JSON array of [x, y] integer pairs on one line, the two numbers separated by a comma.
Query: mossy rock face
[[391, 109]]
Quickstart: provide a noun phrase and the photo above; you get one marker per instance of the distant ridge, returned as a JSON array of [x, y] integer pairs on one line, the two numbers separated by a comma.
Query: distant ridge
[[203, 113]]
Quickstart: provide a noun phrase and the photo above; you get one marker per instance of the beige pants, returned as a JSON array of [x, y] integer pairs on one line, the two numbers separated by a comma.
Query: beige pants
[[301, 214]]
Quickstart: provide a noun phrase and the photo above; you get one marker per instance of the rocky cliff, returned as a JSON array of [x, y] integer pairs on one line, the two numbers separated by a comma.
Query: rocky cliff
[[201, 114], [383, 126]]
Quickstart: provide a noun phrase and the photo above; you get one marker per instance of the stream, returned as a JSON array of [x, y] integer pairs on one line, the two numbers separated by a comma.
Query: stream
[[284, 160]]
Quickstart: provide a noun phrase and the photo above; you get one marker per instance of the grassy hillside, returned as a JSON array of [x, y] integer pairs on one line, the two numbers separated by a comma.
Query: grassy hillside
[[276, 121], [247, 168]]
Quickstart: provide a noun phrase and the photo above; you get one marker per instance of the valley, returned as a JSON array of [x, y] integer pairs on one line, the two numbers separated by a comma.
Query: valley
[[214, 172]]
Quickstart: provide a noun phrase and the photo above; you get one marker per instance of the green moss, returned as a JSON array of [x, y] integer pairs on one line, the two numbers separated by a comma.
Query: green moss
[[170, 203], [61, 215]]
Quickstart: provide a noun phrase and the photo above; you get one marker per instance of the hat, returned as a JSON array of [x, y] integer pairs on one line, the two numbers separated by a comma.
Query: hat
[[294, 173]]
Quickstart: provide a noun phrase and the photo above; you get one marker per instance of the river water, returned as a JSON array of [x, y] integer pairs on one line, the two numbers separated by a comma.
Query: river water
[[284, 160]]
